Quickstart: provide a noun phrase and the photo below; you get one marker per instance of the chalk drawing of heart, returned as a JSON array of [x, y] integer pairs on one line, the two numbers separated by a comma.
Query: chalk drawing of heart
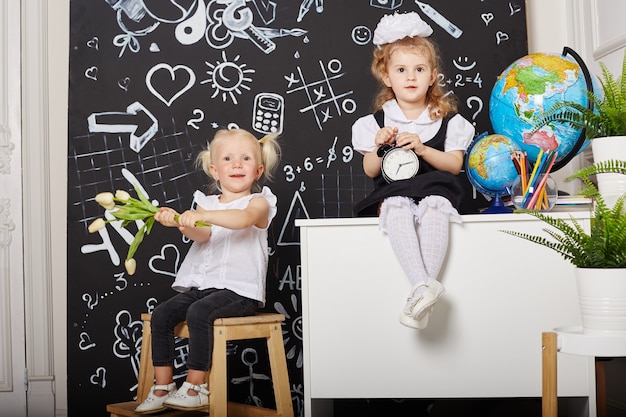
[[168, 247], [487, 17], [92, 72], [514, 8], [123, 83], [501, 37], [85, 342], [99, 378], [173, 71], [93, 43]]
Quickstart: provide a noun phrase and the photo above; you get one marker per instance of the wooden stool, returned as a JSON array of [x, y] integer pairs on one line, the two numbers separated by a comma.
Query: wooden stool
[[261, 325]]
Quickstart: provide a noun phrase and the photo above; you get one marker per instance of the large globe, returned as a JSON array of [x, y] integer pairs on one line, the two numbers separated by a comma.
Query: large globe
[[489, 166], [527, 88]]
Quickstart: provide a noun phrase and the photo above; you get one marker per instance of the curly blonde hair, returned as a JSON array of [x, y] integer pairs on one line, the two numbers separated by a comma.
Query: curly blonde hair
[[440, 104], [268, 154]]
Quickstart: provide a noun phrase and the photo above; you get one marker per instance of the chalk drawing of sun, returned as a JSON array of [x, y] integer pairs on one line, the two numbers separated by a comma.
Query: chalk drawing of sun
[[293, 327], [228, 78]]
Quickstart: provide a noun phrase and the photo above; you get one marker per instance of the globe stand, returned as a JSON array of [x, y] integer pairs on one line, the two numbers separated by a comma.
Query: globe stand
[[497, 207]]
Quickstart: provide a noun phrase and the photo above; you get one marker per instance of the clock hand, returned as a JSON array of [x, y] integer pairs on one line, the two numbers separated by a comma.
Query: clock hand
[[403, 164]]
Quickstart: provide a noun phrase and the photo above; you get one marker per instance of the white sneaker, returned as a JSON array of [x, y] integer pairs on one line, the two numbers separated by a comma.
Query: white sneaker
[[181, 400], [154, 403]]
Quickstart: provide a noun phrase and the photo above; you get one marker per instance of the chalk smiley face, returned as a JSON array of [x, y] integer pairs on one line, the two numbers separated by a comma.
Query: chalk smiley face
[[361, 35], [463, 64]]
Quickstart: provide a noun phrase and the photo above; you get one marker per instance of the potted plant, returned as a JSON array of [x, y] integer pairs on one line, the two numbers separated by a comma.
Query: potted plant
[[604, 122], [598, 254]]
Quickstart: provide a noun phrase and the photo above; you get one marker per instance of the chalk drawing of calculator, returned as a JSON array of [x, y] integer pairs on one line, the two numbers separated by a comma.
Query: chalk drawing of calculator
[[268, 113]]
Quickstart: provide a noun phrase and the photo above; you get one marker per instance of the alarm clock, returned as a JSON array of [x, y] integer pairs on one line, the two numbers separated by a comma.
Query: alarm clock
[[397, 163]]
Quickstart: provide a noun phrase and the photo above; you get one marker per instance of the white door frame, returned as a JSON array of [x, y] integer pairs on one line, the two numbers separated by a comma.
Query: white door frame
[[26, 348], [38, 222], [12, 331]]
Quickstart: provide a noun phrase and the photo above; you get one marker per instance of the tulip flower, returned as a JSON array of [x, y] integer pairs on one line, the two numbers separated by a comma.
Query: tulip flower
[[122, 196], [96, 225], [130, 265], [106, 200], [129, 211]]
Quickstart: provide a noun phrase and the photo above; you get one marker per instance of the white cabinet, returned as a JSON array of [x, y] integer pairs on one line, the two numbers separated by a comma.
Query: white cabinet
[[484, 336]]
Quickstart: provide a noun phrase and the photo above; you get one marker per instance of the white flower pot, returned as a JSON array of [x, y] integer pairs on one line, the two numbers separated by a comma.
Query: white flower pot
[[611, 186], [602, 298]]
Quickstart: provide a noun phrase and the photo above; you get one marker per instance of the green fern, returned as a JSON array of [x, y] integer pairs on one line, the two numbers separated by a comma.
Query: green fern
[[608, 117], [613, 166], [605, 244]]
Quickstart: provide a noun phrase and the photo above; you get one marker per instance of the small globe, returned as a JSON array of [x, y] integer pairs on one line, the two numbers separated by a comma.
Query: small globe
[[527, 88], [489, 166]]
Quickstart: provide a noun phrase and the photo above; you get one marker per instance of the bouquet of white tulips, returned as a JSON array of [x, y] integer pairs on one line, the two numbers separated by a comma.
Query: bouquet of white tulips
[[129, 210]]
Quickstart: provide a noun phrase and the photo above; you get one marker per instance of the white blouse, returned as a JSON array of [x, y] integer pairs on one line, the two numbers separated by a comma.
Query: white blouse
[[459, 135], [232, 259]]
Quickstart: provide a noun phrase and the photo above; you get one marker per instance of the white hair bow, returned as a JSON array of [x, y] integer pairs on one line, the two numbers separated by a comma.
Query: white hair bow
[[393, 27]]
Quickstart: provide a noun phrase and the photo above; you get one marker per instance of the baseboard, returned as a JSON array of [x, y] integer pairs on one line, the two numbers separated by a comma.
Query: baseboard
[[40, 397]]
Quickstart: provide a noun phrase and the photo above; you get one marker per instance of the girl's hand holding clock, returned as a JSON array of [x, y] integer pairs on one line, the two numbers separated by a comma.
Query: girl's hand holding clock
[[386, 135], [411, 141], [398, 159]]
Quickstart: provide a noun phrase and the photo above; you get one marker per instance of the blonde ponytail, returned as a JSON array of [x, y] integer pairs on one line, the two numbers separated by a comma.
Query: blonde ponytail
[[270, 152]]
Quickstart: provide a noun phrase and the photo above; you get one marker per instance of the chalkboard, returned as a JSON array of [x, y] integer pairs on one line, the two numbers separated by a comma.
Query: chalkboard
[[150, 83]]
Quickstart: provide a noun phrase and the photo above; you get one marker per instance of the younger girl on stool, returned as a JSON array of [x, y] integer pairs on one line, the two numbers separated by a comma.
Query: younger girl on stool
[[223, 274]]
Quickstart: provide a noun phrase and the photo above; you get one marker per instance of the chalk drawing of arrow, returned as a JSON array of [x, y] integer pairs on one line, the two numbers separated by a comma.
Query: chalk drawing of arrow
[[136, 120]]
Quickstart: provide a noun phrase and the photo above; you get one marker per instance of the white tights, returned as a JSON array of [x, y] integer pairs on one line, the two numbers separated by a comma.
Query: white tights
[[418, 234]]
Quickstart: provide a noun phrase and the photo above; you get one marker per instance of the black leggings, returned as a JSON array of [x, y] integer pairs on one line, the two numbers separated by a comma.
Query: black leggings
[[199, 308]]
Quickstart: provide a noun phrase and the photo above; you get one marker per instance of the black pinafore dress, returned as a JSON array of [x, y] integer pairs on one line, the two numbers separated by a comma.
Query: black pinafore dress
[[428, 181]]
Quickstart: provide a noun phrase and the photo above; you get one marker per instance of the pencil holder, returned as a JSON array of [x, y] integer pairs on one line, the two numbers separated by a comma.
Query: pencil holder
[[539, 194]]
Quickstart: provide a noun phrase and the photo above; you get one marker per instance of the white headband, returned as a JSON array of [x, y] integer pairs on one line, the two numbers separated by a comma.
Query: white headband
[[393, 27]]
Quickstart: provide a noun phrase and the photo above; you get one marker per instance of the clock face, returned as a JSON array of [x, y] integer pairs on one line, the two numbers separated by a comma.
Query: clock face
[[399, 164]]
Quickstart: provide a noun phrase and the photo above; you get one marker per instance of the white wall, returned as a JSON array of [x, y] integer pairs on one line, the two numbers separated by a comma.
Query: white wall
[[550, 29], [592, 28], [546, 25]]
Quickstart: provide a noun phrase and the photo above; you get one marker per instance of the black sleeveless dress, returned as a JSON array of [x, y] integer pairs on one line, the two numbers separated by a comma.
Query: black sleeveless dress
[[428, 181]]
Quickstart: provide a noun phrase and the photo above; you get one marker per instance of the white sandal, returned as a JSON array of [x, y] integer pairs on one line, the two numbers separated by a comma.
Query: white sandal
[[154, 403], [181, 400]]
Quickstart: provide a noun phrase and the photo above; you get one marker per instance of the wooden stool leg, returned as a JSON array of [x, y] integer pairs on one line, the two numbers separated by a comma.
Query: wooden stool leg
[[549, 400], [218, 398], [280, 376], [145, 379]]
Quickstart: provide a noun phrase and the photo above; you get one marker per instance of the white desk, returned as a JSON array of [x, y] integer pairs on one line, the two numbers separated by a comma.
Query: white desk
[[483, 338]]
